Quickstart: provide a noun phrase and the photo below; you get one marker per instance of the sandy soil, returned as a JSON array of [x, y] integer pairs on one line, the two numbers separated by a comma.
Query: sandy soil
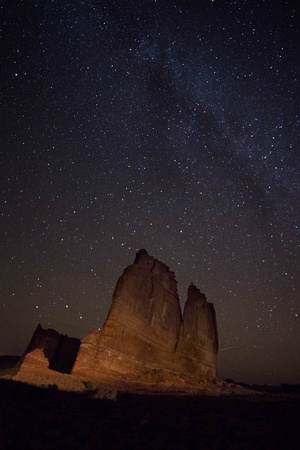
[[45, 418]]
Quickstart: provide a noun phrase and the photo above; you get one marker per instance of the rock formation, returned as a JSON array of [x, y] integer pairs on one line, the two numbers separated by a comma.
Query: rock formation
[[198, 343], [145, 340], [145, 329], [60, 350]]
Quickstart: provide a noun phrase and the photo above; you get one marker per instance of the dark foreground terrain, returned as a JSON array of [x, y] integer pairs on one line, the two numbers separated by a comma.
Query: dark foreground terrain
[[46, 418]]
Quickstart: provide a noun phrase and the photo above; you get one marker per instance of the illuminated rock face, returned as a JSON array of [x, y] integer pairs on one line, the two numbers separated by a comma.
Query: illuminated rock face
[[198, 343], [145, 330], [34, 360]]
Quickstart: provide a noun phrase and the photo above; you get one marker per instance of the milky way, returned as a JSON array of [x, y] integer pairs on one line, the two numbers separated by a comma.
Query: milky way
[[170, 126]]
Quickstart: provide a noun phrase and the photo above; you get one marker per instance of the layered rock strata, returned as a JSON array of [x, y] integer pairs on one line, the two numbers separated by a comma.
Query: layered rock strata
[[145, 329]]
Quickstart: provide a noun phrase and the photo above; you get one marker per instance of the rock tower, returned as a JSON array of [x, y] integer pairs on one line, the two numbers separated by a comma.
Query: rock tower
[[146, 330]]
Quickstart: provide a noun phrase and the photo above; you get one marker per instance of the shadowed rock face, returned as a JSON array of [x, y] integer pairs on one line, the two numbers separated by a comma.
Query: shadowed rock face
[[145, 330]]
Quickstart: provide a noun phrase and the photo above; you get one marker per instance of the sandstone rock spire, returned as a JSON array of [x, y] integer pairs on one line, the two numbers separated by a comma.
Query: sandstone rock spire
[[145, 330]]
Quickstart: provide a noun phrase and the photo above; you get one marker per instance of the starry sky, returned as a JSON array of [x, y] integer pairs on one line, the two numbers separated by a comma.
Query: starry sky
[[165, 125]]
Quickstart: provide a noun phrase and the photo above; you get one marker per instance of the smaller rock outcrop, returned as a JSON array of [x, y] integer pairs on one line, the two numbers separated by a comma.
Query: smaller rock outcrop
[[60, 350]]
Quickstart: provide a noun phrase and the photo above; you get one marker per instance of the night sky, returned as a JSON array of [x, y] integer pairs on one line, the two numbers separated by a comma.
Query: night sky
[[165, 125]]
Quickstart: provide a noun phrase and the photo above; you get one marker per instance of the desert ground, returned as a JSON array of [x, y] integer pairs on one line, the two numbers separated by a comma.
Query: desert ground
[[36, 418]]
